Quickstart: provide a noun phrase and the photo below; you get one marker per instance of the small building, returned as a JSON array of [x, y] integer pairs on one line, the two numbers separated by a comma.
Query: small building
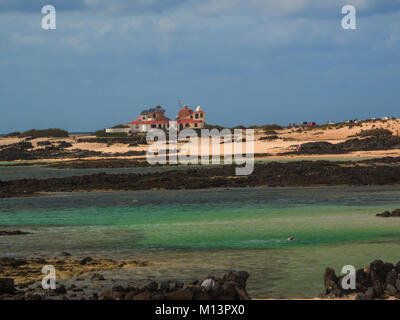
[[155, 118], [187, 118]]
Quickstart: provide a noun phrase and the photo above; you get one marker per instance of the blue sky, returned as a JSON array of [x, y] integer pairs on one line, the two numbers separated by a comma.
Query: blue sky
[[244, 61]]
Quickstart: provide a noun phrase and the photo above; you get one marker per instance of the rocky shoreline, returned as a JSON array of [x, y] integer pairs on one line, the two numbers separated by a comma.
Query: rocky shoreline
[[274, 174], [20, 279], [27, 271], [378, 281]]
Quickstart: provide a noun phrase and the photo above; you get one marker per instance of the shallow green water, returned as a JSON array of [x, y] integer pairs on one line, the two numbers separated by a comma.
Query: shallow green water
[[194, 233]]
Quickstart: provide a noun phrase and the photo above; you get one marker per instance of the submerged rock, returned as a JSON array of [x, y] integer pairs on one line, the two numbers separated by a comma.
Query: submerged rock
[[388, 214], [13, 233]]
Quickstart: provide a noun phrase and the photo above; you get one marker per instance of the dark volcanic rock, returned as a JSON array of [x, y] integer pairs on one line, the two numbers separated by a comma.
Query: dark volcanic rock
[[379, 281], [6, 285], [64, 144], [85, 260], [44, 143], [269, 138], [97, 277], [388, 214], [13, 233], [229, 287], [292, 174]]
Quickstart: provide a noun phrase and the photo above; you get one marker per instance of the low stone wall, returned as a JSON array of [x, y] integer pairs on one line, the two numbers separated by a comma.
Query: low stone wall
[[118, 130]]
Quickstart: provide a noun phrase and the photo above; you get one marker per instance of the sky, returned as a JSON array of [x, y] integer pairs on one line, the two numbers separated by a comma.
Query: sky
[[246, 62]]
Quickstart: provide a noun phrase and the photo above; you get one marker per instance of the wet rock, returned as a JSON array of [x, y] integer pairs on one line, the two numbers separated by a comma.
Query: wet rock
[[330, 279], [145, 295], [152, 286], [388, 267], [164, 286], [97, 277], [7, 285], [388, 214], [86, 260], [180, 294], [379, 281], [370, 293], [158, 296], [201, 295], [391, 277], [35, 296], [228, 290], [397, 267], [391, 290], [241, 294], [59, 290], [178, 285], [13, 233], [131, 293], [111, 295], [377, 265]]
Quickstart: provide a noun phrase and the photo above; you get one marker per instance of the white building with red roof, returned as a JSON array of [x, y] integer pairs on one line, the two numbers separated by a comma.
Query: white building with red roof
[[155, 119]]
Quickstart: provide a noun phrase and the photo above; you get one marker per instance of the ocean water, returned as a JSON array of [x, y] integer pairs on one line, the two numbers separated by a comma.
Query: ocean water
[[189, 234]]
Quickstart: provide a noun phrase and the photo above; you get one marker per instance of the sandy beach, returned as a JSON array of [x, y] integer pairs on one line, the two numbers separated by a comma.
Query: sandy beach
[[287, 141]]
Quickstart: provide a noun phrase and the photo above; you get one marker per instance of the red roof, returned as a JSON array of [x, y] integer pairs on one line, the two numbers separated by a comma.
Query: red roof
[[138, 121], [185, 112], [189, 121]]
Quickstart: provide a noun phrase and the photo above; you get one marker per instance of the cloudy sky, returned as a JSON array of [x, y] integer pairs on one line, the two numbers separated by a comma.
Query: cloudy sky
[[245, 61]]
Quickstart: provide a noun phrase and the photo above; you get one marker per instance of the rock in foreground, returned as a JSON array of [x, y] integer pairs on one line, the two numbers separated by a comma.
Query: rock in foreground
[[388, 214], [378, 281], [231, 286]]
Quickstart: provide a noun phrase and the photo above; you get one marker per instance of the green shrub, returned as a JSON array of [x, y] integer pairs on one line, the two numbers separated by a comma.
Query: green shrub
[[239, 127], [271, 128], [211, 126], [52, 132], [378, 132]]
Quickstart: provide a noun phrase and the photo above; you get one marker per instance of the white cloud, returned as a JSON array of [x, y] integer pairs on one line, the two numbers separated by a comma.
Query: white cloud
[[24, 39]]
